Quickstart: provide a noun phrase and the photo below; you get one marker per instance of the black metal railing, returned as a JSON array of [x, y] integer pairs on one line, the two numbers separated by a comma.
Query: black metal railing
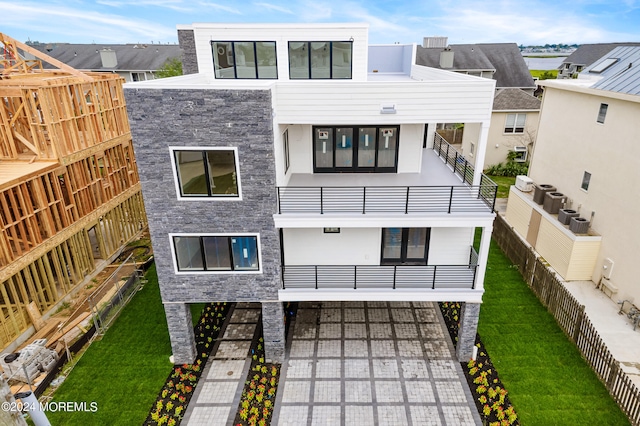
[[386, 199], [428, 277], [434, 277], [464, 169]]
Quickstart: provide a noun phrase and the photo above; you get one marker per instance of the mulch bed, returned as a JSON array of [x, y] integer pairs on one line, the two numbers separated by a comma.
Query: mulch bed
[[176, 393], [490, 396]]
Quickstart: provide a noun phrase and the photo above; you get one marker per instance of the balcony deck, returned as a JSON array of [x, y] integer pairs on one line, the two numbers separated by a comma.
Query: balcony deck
[[436, 190]]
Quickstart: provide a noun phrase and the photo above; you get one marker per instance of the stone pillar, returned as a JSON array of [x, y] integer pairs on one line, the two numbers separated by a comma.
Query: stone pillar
[[273, 331], [183, 342], [469, 314], [9, 418]]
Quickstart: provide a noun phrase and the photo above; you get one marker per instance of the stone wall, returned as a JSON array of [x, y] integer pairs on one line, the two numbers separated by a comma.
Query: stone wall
[[187, 42]]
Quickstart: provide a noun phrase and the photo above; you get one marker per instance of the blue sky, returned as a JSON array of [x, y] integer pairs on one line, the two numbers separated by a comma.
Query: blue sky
[[463, 21]]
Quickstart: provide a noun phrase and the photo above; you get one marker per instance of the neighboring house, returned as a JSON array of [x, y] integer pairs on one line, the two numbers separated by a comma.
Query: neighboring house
[[133, 62], [69, 191], [514, 124], [588, 149], [515, 109], [296, 163], [585, 55]]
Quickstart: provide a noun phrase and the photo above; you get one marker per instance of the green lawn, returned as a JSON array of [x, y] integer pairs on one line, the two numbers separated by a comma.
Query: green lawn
[[504, 182], [548, 381], [538, 73], [125, 370]]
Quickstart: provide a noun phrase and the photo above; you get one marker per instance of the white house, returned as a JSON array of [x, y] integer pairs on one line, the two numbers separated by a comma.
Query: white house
[[298, 163], [588, 149]]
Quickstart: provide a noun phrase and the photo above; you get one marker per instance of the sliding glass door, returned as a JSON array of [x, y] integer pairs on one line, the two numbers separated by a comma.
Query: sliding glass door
[[355, 149]]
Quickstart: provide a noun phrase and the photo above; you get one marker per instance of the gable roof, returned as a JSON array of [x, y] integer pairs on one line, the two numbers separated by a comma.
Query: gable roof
[[587, 54], [505, 59], [623, 76], [515, 100], [130, 57]]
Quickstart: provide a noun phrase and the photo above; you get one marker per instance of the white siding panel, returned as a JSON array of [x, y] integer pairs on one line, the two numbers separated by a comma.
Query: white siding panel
[[450, 246], [554, 246], [410, 148], [518, 213], [352, 246], [583, 260], [344, 102], [282, 34]]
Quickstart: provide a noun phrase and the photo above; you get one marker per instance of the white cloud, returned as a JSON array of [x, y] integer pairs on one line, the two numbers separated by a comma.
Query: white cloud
[[176, 5], [58, 22], [277, 8], [217, 6]]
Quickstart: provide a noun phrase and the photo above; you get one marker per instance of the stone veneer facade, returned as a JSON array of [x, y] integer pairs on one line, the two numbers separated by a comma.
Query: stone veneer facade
[[161, 118], [187, 43]]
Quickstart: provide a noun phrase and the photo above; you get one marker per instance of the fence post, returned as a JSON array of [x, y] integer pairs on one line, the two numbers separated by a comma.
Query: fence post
[[321, 202], [450, 199], [406, 203], [279, 203], [578, 325], [613, 374], [364, 199]]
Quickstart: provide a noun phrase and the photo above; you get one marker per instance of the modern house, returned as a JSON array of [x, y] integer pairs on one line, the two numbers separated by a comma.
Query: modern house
[[587, 176], [298, 163], [584, 56], [69, 191], [515, 109], [133, 62]]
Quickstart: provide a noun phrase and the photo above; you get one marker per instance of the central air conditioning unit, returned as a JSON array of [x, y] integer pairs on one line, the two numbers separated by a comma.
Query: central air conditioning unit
[[540, 190], [565, 215], [579, 225], [553, 201], [524, 183]]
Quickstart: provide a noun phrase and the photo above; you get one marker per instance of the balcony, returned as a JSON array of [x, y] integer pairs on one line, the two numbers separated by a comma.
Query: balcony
[[442, 188], [383, 279]]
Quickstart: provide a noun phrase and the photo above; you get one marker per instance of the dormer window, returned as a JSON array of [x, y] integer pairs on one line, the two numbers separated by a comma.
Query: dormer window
[[245, 59], [320, 59]]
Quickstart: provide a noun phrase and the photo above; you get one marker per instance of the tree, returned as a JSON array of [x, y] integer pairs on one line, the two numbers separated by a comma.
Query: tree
[[171, 68]]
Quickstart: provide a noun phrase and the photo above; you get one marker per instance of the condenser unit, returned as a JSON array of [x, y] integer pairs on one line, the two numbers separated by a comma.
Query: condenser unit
[[565, 215], [579, 225], [539, 192], [524, 183], [553, 201]]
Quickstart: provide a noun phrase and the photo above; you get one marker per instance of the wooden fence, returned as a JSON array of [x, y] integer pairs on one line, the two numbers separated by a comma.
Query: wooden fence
[[570, 315]]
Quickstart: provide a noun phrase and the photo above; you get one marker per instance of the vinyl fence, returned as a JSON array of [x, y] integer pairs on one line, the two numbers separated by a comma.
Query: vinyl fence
[[570, 315]]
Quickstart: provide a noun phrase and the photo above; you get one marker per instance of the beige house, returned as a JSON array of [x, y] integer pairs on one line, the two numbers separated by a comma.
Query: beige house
[[588, 147], [514, 122]]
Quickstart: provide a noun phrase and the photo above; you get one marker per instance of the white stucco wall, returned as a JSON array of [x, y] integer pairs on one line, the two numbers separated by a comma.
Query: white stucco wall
[[570, 142], [450, 246]]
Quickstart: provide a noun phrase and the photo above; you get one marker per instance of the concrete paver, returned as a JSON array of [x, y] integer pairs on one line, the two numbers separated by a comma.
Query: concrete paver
[[382, 363]]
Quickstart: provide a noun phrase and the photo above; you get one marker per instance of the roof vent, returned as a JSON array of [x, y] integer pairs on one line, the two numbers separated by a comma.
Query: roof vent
[[109, 58], [446, 58], [436, 41]]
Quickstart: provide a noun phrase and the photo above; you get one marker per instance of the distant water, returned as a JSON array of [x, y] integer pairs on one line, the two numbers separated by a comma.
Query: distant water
[[534, 63]]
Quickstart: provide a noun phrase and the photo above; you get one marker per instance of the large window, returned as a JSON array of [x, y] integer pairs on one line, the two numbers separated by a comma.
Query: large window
[[244, 59], [320, 59], [355, 149], [206, 173], [216, 253], [405, 246], [515, 123]]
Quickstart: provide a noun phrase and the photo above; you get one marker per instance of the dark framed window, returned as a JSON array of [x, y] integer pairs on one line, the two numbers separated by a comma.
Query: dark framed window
[[355, 149], [206, 173], [285, 146], [586, 179], [602, 113], [245, 59], [214, 253], [405, 246], [331, 230], [320, 59], [515, 123]]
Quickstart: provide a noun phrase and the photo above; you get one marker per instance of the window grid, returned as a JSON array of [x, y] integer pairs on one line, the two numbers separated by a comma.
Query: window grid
[[586, 179], [602, 113], [515, 123], [256, 68], [200, 173], [216, 253], [302, 51]]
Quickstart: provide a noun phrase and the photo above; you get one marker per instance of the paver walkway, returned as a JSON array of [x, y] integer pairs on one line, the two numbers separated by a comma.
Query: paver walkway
[[216, 398], [371, 363]]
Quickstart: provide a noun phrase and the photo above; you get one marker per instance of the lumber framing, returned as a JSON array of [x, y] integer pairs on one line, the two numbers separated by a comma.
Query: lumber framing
[[69, 188]]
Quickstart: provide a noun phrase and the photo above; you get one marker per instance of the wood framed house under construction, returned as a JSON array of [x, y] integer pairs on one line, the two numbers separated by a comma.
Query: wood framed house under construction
[[69, 190]]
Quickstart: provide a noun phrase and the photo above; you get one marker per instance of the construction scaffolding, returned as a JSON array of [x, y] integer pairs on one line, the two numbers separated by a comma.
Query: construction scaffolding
[[69, 188]]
